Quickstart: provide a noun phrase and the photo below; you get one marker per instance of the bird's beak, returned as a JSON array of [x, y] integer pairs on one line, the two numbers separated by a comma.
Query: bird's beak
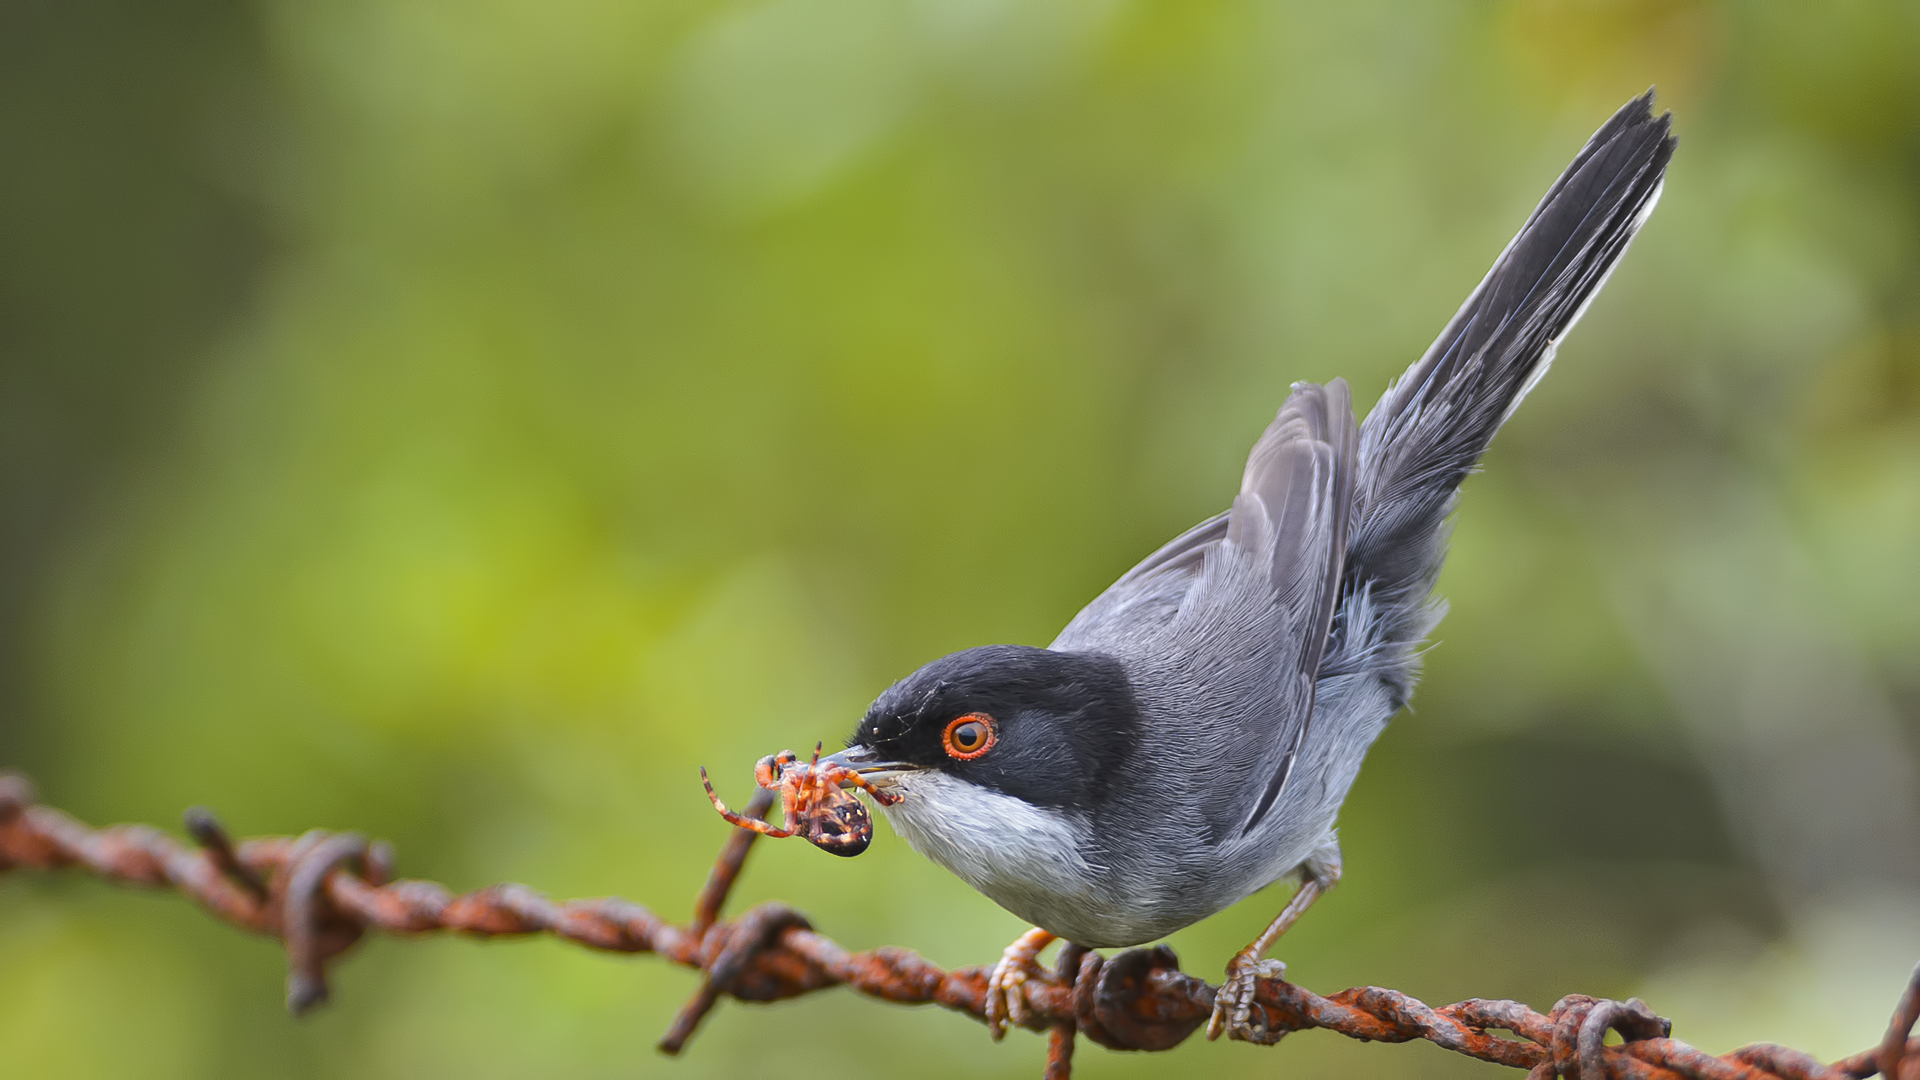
[[870, 766]]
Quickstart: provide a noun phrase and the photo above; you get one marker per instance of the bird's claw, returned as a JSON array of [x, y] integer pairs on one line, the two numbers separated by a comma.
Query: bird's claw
[[1233, 1010], [1006, 998], [1006, 990]]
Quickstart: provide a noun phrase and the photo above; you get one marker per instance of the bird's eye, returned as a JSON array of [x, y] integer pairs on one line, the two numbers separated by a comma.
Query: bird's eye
[[969, 737]]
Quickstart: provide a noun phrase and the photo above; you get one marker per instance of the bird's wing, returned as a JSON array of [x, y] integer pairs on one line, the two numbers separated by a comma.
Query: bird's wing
[[1291, 515], [1243, 602]]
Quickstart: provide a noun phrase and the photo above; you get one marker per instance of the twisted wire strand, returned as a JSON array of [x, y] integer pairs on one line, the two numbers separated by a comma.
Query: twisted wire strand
[[319, 893]]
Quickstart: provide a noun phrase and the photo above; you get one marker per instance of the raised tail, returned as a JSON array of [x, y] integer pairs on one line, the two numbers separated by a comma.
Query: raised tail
[[1430, 428]]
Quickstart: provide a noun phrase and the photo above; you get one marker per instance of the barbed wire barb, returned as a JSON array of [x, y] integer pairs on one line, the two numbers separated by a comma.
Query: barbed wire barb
[[319, 894]]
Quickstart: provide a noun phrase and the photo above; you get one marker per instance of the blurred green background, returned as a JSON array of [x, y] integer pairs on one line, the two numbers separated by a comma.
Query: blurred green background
[[457, 421]]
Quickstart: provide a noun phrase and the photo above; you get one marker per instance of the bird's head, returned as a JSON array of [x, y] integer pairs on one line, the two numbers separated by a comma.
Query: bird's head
[[1051, 729]]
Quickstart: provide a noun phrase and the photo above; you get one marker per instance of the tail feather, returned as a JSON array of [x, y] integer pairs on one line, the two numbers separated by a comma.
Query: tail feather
[[1432, 425]]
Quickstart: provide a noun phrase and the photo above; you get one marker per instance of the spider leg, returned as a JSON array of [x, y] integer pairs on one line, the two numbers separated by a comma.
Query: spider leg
[[760, 827], [765, 774], [770, 771], [739, 819], [797, 797], [848, 776]]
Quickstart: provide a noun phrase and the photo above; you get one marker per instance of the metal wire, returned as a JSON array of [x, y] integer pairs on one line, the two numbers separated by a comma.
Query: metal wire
[[320, 892]]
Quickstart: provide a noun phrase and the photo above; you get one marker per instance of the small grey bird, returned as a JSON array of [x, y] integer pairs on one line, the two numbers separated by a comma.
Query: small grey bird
[[1189, 737]]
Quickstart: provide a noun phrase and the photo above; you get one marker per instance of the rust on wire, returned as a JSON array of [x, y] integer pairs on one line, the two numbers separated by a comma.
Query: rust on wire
[[320, 893]]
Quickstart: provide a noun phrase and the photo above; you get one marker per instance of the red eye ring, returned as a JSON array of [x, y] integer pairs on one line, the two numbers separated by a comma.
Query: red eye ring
[[969, 736]]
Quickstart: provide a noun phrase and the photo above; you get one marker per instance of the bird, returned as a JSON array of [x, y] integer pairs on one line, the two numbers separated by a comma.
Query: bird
[[1189, 737]]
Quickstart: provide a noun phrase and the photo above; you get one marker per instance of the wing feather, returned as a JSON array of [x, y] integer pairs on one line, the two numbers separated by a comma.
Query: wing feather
[[1295, 504]]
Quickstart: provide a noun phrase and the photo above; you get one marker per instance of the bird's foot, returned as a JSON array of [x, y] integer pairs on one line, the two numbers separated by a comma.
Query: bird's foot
[[1233, 1010], [1006, 996]]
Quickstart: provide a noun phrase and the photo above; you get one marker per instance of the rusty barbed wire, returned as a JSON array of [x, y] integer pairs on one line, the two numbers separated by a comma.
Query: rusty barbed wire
[[320, 892]]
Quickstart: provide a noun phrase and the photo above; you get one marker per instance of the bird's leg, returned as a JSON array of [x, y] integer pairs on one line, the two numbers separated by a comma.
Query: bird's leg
[[1005, 998], [1233, 1003]]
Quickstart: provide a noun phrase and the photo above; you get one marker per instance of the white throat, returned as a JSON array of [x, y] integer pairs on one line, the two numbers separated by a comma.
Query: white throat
[[1027, 859]]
